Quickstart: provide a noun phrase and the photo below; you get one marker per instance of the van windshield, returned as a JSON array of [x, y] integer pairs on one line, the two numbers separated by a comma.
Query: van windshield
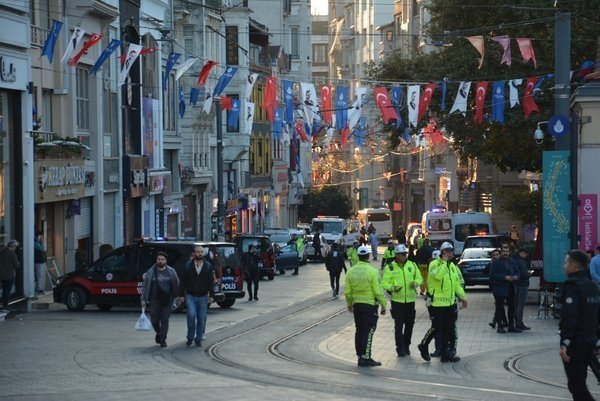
[[378, 216], [462, 231], [228, 256], [328, 227], [439, 225]]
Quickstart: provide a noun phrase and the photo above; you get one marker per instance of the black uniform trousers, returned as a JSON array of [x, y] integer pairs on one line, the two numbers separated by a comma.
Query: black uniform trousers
[[404, 321], [443, 320], [576, 371], [365, 320], [334, 280], [252, 279]]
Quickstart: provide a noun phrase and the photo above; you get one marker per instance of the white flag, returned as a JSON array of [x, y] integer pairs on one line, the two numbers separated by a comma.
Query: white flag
[[73, 43], [414, 93], [300, 177], [514, 92], [310, 103], [328, 137], [183, 67], [460, 103], [208, 99], [133, 53], [356, 111], [250, 84], [249, 115], [285, 134]]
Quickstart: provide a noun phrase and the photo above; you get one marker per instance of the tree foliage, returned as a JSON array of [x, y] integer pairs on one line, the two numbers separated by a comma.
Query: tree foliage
[[520, 203], [326, 201], [509, 146]]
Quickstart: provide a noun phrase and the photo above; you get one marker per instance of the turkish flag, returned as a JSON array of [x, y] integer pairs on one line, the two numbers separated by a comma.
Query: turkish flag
[[204, 72], [345, 134], [480, 93], [95, 38], [388, 112], [433, 133], [425, 100], [326, 103], [147, 50], [300, 131], [270, 99], [529, 105], [226, 103]]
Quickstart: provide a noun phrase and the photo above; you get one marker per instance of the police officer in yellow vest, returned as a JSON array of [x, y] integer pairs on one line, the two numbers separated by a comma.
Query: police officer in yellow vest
[[388, 255], [401, 278], [443, 287], [352, 254], [363, 292]]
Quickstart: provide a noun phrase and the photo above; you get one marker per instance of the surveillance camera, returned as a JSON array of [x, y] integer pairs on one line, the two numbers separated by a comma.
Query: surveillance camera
[[538, 136]]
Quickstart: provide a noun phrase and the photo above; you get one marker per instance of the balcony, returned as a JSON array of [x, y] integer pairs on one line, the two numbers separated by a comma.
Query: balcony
[[38, 36]]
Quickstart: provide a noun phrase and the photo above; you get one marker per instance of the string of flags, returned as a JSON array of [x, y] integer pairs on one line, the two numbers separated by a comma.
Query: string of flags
[[525, 47]]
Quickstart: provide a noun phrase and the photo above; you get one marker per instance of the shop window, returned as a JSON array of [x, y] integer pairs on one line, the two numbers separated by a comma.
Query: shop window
[[83, 98]]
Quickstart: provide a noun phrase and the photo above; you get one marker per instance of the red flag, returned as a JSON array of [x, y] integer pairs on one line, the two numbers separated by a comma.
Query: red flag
[[301, 133], [387, 110], [432, 133], [147, 50], [480, 93], [226, 103], [345, 135], [270, 99], [425, 100], [529, 105], [326, 103], [95, 38], [526, 49], [204, 72]]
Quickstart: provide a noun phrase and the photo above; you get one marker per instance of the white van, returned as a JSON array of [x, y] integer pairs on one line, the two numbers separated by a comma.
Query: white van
[[470, 223]]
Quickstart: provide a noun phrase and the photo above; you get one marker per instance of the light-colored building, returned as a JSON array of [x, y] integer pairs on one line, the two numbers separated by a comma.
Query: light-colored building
[[320, 49]]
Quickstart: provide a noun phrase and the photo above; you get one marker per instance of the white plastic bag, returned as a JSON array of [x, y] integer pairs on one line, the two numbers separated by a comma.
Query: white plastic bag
[[143, 323]]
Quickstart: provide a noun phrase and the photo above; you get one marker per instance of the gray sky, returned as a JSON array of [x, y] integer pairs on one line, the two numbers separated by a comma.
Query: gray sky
[[319, 7]]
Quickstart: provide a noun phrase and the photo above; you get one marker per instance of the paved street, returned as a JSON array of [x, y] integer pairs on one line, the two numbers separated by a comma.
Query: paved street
[[295, 343]]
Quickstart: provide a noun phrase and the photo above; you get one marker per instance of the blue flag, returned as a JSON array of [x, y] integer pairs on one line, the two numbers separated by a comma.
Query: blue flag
[[396, 99], [233, 115], [288, 97], [316, 127], [181, 102], [278, 123], [537, 89], [444, 93], [406, 135], [342, 94], [48, 50], [112, 46], [498, 101], [360, 133], [194, 95], [173, 57], [224, 80]]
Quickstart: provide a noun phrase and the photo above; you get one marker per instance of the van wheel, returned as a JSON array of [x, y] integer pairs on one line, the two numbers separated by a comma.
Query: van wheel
[[75, 299], [228, 303], [104, 307]]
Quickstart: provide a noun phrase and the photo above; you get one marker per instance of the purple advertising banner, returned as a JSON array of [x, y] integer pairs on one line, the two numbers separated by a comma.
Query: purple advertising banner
[[588, 221]]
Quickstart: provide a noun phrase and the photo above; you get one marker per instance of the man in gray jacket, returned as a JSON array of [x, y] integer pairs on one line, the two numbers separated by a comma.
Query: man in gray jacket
[[521, 287], [160, 287]]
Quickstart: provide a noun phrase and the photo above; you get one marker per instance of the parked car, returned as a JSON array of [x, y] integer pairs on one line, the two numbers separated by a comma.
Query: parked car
[[310, 250], [116, 278], [267, 254], [286, 258], [279, 239], [486, 241], [474, 264]]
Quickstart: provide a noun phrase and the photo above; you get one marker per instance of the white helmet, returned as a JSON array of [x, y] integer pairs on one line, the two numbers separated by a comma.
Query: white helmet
[[363, 250], [435, 254], [400, 249], [446, 246]]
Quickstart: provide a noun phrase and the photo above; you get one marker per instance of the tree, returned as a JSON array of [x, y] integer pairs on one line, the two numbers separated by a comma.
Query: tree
[[509, 146], [520, 203], [326, 201]]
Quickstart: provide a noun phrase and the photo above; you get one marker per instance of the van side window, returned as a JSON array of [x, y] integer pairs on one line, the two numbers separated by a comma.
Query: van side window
[[118, 262]]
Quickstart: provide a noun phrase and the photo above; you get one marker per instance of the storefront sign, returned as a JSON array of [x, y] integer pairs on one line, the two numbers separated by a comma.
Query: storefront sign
[[232, 55], [136, 168], [59, 180], [13, 72], [588, 221], [8, 70]]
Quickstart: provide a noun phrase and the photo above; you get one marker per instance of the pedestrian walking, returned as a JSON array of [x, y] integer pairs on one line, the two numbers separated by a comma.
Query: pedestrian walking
[[334, 263], [401, 278], [444, 286], [503, 273], [39, 263], [363, 292], [252, 261], [374, 239], [423, 259], [9, 264], [595, 266], [578, 323], [514, 235], [316, 243], [521, 288], [159, 288], [197, 283], [401, 236], [352, 253], [388, 255]]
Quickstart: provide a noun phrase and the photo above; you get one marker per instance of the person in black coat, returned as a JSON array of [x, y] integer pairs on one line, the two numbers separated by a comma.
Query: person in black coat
[[401, 236], [316, 243], [578, 323], [252, 261], [503, 273], [334, 263]]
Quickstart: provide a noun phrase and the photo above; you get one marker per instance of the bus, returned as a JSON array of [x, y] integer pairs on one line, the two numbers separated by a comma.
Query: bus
[[381, 218], [437, 226]]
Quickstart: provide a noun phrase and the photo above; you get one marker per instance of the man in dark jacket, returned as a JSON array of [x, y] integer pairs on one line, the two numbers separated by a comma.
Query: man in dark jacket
[[316, 243], [423, 258], [9, 264], [334, 263], [578, 324], [251, 261], [521, 287], [197, 283], [159, 288], [401, 236], [503, 273]]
